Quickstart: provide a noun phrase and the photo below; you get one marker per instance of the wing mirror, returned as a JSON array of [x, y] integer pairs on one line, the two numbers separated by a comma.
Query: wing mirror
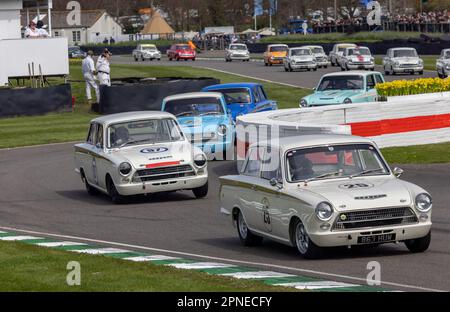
[[275, 183], [398, 172], [98, 145]]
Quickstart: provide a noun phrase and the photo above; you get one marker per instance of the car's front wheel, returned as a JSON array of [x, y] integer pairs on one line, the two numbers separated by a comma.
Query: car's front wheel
[[89, 189], [304, 245], [116, 198], [419, 244], [245, 235], [201, 192]]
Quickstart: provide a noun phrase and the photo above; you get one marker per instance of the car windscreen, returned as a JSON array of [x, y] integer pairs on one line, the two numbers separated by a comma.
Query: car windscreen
[[405, 53], [278, 49], [341, 83], [149, 48], [198, 107], [75, 49], [236, 95], [361, 51], [182, 48], [143, 131], [238, 47], [300, 52], [317, 50], [334, 161]]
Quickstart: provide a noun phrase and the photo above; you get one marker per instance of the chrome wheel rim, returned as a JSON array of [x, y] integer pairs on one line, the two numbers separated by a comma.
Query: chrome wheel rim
[[301, 238], [243, 230]]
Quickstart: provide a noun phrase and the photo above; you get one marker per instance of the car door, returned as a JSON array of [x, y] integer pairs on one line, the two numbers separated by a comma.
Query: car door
[[439, 62], [100, 162], [271, 214], [386, 60], [87, 155], [371, 91], [250, 195]]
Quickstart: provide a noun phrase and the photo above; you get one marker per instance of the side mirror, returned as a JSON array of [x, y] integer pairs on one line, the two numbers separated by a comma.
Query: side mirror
[[275, 183], [98, 145], [398, 172]]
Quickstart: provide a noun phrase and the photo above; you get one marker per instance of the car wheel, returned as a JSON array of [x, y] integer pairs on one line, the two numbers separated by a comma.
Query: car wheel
[[286, 69], [419, 244], [270, 64], [89, 189], [245, 235], [142, 59], [170, 59], [116, 198], [342, 68], [315, 69], [332, 63], [193, 60], [346, 67], [136, 59], [421, 72], [290, 68], [201, 192], [304, 245], [265, 64], [326, 66], [392, 71], [159, 59], [177, 59]]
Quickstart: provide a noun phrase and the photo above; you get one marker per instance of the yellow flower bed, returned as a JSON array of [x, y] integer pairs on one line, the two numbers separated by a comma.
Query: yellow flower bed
[[418, 86]]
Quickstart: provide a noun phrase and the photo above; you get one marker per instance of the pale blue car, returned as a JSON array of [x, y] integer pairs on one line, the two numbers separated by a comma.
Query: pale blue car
[[344, 88]]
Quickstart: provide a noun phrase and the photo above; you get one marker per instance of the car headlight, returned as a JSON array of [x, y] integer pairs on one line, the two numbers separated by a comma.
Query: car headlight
[[447, 66], [324, 211], [396, 64], [303, 103], [424, 203], [347, 101], [420, 63], [125, 169], [222, 130], [200, 160]]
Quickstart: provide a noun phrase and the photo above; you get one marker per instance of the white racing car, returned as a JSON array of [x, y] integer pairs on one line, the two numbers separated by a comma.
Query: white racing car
[[357, 58], [139, 153], [321, 191], [300, 58], [319, 54], [402, 60], [237, 52], [443, 64]]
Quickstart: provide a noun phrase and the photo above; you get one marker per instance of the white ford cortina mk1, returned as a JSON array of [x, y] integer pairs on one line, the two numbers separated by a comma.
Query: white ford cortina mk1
[[139, 153], [320, 191]]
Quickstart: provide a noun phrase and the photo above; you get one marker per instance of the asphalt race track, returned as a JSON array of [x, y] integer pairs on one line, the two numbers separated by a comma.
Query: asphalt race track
[[257, 70], [41, 192]]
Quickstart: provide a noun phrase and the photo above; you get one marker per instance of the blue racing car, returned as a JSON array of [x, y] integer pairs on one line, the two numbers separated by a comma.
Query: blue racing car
[[244, 98], [204, 119]]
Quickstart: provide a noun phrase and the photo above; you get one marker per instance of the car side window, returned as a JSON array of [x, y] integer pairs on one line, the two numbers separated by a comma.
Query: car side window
[[91, 135], [271, 168], [253, 165], [256, 95], [99, 137], [262, 94], [379, 79], [370, 82]]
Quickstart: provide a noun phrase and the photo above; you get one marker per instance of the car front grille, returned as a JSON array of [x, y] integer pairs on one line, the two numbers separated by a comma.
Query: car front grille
[[321, 59], [408, 65], [164, 173], [374, 218]]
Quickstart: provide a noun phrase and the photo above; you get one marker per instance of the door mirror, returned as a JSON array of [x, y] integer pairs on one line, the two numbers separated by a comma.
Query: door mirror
[[398, 172], [98, 145], [275, 183]]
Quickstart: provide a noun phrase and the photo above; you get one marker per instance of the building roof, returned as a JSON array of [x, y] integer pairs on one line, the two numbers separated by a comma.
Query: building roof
[[59, 18], [157, 25]]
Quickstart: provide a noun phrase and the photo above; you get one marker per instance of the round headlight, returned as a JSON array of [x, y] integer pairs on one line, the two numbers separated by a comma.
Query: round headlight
[[347, 101], [324, 211], [303, 103], [424, 202], [200, 160], [222, 130], [125, 168]]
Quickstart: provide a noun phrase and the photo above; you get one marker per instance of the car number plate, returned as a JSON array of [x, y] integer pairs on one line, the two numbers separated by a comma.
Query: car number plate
[[374, 239]]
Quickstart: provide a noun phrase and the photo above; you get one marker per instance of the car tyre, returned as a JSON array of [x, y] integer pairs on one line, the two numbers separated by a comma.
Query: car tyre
[[116, 198], [89, 189], [305, 246], [421, 72], [201, 192], [245, 235], [419, 244]]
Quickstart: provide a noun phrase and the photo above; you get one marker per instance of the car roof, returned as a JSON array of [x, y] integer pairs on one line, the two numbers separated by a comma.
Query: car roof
[[148, 45], [300, 48], [351, 73], [302, 141], [403, 48], [277, 45], [131, 116], [345, 44], [193, 95], [232, 85], [312, 46]]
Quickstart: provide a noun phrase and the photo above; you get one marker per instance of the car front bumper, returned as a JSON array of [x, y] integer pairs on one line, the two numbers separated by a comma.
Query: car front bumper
[[323, 63], [361, 66], [168, 185], [408, 69], [152, 56], [350, 238], [276, 61], [238, 57], [303, 66]]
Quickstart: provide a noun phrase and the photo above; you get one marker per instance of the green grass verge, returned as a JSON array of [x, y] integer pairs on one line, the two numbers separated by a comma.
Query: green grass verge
[[30, 268], [342, 37], [419, 154]]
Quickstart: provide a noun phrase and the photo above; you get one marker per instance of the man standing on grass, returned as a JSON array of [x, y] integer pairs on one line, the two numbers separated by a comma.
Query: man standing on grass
[[89, 72], [103, 68]]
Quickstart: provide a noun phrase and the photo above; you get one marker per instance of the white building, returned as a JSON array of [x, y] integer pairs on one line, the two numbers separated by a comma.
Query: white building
[[95, 26]]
